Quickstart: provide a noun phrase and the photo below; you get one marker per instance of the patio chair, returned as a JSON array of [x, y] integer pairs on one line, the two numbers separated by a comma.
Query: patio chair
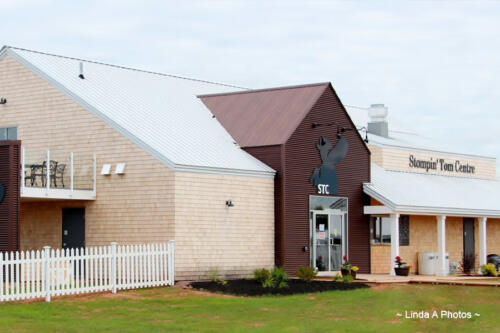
[[35, 170], [58, 174], [53, 168], [29, 175]]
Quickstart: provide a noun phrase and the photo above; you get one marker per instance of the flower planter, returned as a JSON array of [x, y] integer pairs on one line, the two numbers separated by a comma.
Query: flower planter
[[402, 271], [353, 273], [345, 272]]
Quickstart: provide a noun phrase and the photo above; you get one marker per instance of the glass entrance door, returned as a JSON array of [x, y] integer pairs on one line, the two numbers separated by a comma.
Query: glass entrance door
[[328, 240], [321, 233], [336, 227]]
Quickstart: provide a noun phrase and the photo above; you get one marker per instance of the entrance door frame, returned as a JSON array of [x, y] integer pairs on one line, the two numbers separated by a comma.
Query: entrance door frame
[[312, 222]]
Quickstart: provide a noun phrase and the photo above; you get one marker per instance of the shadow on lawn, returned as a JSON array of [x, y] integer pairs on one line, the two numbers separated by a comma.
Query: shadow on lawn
[[245, 287]]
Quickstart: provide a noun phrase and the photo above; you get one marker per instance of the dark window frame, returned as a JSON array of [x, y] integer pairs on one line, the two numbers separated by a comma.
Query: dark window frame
[[404, 230], [378, 236]]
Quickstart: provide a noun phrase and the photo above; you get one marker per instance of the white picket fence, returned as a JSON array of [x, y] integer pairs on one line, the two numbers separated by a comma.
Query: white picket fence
[[55, 272]]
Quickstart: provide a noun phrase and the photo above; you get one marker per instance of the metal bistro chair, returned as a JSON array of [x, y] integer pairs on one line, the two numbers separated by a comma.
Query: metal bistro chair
[[29, 175], [58, 174], [35, 170], [53, 168]]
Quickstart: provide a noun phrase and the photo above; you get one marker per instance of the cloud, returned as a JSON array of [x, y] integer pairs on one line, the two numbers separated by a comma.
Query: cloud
[[434, 63]]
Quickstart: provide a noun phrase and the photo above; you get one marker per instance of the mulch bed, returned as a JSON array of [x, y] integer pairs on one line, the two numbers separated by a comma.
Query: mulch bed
[[244, 287]]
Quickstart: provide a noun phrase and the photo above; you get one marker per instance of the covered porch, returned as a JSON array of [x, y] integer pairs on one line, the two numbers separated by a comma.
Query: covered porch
[[455, 219]]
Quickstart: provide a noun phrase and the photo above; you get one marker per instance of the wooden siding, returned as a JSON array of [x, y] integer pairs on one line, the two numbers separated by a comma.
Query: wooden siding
[[9, 207], [300, 158], [150, 202], [131, 208], [398, 159], [208, 234]]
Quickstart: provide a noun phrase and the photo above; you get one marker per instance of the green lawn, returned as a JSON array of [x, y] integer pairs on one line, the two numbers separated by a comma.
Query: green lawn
[[178, 310]]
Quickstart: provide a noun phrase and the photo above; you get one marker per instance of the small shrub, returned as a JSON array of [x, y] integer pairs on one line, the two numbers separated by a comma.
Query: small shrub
[[306, 273], [262, 275], [214, 276], [467, 264], [337, 277], [489, 270], [269, 283], [279, 277], [271, 279], [347, 278]]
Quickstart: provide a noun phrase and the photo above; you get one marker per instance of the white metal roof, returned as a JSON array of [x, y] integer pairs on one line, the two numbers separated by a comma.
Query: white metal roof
[[401, 136], [434, 194], [161, 113]]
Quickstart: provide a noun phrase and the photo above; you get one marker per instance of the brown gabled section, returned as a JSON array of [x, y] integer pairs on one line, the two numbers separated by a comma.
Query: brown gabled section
[[264, 117], [276, 126]]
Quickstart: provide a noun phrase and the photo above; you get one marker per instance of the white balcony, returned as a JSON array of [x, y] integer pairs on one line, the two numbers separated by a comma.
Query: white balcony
[[70, 176]]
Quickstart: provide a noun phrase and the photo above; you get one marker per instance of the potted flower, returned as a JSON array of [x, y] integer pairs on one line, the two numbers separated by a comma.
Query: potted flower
[[401, 269], [354, 269], [346, 267]]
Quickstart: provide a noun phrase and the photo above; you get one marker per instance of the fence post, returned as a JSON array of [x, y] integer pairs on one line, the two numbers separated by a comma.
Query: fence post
[[46, 273], [171, 262], [113, 267]]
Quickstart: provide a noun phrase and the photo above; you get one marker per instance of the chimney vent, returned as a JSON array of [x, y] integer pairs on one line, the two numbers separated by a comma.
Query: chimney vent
[[378, 120], [81, 76]]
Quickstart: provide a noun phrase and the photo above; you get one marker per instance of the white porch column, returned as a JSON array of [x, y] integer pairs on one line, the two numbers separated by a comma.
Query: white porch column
[[441, 242], [482, 242], [394, 241]]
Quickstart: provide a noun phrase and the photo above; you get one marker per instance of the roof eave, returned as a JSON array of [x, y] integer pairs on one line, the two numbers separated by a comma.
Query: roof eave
[[225, 171], [428, 210]]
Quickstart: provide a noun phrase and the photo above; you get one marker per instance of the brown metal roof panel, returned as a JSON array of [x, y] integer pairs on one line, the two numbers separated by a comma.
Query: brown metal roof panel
[[264, 117]]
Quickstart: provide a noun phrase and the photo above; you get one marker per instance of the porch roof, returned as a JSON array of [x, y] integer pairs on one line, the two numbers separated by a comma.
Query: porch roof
[[425, 194]]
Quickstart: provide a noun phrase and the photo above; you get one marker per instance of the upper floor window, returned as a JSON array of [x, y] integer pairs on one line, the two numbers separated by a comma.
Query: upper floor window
[[8, 133]]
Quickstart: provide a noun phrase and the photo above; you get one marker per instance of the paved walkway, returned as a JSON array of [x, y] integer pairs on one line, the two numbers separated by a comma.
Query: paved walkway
[[451, 280]]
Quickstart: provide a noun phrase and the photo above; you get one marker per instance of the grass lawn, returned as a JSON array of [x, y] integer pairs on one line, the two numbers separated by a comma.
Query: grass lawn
[[179, 310]]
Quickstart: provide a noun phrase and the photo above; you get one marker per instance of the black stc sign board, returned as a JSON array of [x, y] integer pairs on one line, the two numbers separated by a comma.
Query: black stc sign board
[[324, 177]]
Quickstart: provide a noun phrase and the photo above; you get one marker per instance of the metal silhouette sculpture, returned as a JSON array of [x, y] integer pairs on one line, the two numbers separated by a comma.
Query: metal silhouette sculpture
[[324, 178]]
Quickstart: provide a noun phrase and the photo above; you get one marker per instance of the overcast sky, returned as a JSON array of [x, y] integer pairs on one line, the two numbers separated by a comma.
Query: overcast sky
[[436, 64]]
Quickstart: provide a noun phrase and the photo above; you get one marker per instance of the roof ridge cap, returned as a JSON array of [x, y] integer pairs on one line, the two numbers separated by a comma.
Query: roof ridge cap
[[122, 67], [249, 91]]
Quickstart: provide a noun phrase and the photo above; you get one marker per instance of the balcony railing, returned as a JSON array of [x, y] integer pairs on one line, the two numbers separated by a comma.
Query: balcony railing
[[58, 175]]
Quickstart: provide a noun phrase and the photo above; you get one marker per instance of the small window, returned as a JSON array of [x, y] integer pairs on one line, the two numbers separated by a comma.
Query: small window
[[404, 230], [8, 133], [381, 230]]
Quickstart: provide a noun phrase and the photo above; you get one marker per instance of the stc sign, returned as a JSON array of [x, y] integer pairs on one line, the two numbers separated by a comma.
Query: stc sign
[[324, 177]]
